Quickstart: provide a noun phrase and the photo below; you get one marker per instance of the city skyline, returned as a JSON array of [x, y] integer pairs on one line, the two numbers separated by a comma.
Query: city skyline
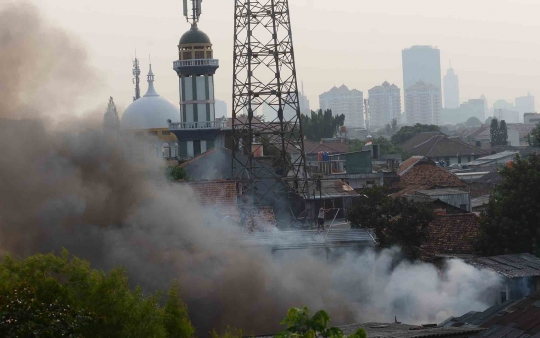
[[154, 29]]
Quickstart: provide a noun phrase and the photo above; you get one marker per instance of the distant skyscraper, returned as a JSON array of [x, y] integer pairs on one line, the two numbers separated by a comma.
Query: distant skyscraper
[[347, 102], [422, 63], [384, 104], [304, 103], [525, 104], [423, 104], [504, 110], [451, 89], [221, 108]]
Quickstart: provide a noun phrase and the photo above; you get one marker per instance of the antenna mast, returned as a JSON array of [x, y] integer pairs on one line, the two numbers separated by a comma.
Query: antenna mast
[[192, 16], [136, 73]]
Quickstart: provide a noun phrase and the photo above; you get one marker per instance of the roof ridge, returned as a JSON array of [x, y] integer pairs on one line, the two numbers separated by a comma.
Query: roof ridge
[[191, 160], [464, 143]]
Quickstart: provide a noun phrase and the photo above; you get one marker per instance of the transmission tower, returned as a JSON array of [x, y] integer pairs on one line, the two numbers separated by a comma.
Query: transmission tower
[[264, 75]]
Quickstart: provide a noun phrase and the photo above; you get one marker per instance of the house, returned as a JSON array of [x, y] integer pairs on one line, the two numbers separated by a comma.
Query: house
[[451, 236], [520, 273], [454, 197], [485, 184], [511, 319], [218, 197], [438, 147], [420, 173], [481, 136], [479, 204]]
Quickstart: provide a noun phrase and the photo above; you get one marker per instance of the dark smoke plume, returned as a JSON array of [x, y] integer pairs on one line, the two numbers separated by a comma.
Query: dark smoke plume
[[65, 186]]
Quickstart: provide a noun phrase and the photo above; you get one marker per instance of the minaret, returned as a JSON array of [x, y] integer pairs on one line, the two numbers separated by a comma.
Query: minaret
[[196, 68]]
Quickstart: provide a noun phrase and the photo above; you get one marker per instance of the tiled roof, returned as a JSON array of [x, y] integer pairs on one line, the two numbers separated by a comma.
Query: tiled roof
[[260, 219], [436, 144], [424, 176], [408, 164], [511, 266], [218, 194], [394, 330], [452, 235]]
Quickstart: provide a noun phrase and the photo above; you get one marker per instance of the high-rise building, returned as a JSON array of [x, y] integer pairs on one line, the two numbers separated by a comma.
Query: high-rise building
[[451, 89], [384, 104], [221, 108], [423, 104], [504, 110], [422, 63], [525, 104], [347, 102]]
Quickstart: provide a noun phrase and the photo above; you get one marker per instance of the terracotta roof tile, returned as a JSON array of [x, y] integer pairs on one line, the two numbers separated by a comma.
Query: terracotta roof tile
[[311, 147], [409, 163], [219, 194], [435, 144], [452, 235], [425, 176]]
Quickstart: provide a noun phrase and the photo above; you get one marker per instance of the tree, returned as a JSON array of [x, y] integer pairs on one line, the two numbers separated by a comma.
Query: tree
[[301, 325], [494, 132], [406, 133], [534, 137], [488, 120], [321, 124], [388, 129], [60, 295], [473, 122], [395, 221], [394, 126], [176, 173], [503, 133], [510, 221]]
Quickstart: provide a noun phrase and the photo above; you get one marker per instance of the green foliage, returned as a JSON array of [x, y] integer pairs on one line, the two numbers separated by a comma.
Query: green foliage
[[394, 126], [65, 297], [395, 221], [534, 137], [473, 122], [356, 145], [498, 133], [229, 333], [176, 173], [510, 222], [488, 120], [321, 125], [301, 325], [407, 132]]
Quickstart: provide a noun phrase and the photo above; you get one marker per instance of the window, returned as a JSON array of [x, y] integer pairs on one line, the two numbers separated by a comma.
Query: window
[[152, 133], [209, 144], [208, 55], [165, 132], [199, 55], [186, 55], [183, 149], [463, 206], [166, 150]]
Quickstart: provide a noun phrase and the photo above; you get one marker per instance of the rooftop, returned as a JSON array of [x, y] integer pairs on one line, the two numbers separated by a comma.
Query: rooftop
[[393, 330], [311, 147], [511, 266], [303, 239], [510, 154], [220, 195], [443, 191], [511, 319], [330, 189], [437, 144], [452, 235]]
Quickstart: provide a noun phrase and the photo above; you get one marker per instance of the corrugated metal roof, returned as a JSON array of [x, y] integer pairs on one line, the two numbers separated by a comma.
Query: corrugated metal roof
[[303, 239], [511, 266]]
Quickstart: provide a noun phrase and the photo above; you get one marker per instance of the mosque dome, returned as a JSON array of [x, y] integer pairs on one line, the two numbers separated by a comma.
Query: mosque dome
[[150, 111], [194, 35]]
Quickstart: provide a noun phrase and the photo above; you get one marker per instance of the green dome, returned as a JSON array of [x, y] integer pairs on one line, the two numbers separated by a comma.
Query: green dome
[[194, 35]]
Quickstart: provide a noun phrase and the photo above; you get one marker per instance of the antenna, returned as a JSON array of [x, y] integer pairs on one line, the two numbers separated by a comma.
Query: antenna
[[192, 16], [136, 73]]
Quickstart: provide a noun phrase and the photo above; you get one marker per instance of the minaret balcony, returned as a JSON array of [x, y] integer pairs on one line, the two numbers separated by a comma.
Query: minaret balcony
[[197, 125], [196, 66]]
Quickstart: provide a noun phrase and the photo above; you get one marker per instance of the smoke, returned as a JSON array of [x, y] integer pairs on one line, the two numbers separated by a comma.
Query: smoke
[[72, 187]]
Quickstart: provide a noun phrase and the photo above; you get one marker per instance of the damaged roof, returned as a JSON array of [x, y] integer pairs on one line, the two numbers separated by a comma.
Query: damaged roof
[[220, 194], [394, 330], [511, 266]]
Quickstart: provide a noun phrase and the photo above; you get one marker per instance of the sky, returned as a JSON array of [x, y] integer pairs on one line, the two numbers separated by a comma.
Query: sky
[[492, 44]]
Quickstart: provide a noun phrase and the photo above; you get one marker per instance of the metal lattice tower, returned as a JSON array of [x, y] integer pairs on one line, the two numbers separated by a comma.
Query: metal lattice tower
[[264, 77], [136, 74]]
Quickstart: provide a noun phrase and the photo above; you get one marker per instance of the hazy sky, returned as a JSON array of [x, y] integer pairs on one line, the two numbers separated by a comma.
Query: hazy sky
[[493, 45]]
